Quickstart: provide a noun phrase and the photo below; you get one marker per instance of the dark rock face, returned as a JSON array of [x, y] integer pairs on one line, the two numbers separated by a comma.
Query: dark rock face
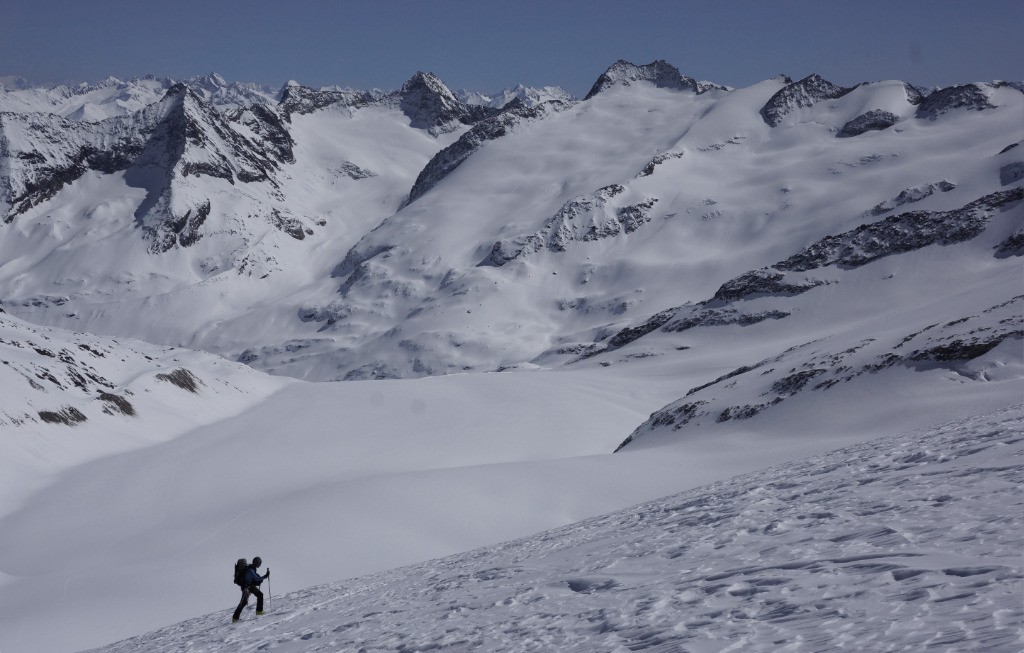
[[967, 96], [660, 73], [431, 105], [181, 378], [915, 95], [677, 417], [765, 281], [875, 120], [963, 349], [657, 161], [911, 195], [288, 225], [629, 334], [720, 317], [271, 128], [115, 403], [582, 219], [493, 128], [633, 217], [1011, 173], [302, 100], [67, 415], [180, 230], [800, 95], [794, 383], [1012, 246], [901, 233]]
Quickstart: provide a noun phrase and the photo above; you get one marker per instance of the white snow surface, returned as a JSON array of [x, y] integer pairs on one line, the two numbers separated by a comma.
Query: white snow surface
[[654, 263], [911, 542]]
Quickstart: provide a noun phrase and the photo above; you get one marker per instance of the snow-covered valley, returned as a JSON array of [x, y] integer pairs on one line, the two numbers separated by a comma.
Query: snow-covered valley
[[509, 287]]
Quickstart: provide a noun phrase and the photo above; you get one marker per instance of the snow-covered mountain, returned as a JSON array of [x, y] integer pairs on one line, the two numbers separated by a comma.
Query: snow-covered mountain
[[528, 95], [410, 233], [114, 97], [708, 279]]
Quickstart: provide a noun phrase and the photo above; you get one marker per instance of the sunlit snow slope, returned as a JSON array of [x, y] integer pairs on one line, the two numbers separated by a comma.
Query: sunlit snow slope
[[907, 543]]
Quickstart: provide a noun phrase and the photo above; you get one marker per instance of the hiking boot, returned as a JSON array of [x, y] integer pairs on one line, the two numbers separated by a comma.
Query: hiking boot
[[234, 620], [259, 612]]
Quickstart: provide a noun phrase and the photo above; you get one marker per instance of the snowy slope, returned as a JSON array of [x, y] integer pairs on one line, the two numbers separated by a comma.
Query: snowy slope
[[910, 543], [71, 397], [331, 481], [539, 229]]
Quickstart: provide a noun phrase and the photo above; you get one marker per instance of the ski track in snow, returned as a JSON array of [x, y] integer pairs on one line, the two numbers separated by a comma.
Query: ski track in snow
[[909, 543]]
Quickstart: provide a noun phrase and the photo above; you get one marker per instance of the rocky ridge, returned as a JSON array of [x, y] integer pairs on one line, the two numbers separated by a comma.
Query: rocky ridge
[[889, 237], [511, 117], [660, 73], [800, 95]]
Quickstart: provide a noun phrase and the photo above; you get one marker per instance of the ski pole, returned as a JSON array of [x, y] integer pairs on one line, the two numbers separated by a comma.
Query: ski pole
[[270, 597]]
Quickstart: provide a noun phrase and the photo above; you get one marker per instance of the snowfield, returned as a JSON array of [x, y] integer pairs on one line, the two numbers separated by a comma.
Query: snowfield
[[538, 310], [906, 543]]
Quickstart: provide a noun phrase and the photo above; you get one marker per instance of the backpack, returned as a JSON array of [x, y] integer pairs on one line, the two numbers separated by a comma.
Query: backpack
[[240, 567]]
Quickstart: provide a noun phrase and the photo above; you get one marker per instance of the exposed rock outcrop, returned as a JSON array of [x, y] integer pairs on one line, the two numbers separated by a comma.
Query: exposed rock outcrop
[[659, 73], [447, 160], [968, 96], [874, 120], [800, 95]]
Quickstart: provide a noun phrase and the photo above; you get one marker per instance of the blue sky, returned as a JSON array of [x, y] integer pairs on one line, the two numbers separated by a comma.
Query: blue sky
[[488, 45]]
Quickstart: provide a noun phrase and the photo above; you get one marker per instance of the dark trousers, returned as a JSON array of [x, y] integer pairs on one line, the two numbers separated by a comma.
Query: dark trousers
[[246, 591]]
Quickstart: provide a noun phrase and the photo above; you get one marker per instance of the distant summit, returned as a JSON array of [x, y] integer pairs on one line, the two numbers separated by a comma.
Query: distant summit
[[802, 94], [660, 73], [431, 105], [530, 96]]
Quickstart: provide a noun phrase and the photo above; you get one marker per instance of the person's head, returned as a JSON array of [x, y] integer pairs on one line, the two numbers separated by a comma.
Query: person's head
[[257, 561]]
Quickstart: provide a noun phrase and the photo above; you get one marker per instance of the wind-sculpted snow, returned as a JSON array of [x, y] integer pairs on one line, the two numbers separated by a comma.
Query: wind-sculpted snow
[[907, 543]]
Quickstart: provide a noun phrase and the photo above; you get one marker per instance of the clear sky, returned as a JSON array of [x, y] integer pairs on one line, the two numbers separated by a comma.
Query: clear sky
[[488, 45]]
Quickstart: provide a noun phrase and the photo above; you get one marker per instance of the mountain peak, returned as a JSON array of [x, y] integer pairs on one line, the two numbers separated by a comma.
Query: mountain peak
[[802, 94], [660, 73], [431, 105]]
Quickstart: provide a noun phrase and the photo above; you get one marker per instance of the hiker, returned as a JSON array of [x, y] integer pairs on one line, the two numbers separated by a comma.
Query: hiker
[[249, 580]]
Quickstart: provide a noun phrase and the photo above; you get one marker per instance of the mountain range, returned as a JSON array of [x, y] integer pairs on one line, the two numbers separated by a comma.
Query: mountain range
[[703, 279], [339, 234]]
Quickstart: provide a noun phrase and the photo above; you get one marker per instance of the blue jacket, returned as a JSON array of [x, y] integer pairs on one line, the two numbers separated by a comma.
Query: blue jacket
[[252, 577]]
